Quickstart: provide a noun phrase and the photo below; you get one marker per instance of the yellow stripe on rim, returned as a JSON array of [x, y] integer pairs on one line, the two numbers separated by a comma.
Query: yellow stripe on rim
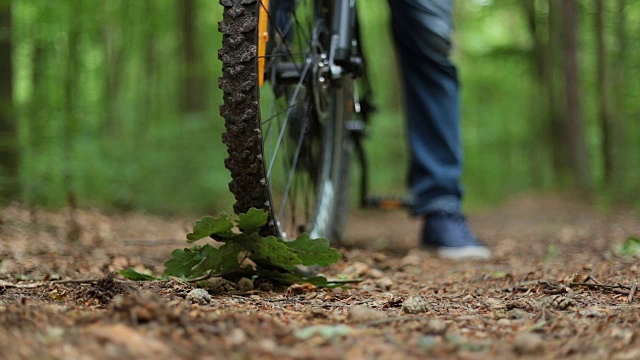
[[263, 37]]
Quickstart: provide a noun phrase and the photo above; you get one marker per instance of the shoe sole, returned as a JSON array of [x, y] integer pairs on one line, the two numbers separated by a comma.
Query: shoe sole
[[463, 252]]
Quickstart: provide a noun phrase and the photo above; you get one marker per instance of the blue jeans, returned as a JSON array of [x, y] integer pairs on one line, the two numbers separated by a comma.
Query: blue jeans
[[422, 31]]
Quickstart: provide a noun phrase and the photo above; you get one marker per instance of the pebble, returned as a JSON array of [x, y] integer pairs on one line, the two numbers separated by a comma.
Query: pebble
[[527, 344], [198, 296], [494, 303], [376, 273], [357, 269], [244, 284], [415, 305], [435, 327], [428, 342], [237, 337], [219, 285], [516, 314], [361, 313], [384, 283], [413, 258], [504, 322]]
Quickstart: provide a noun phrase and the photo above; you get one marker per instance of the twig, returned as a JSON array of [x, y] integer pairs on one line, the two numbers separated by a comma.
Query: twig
[[152, 242], [554, 291], [204, 277], [617, 288], [344, 281], [73, 281], [363, 302], [45, 283], [525, 285], [590, 277], [620, 291], [328, 305], [390, 320], [603, 286], [632, 292]]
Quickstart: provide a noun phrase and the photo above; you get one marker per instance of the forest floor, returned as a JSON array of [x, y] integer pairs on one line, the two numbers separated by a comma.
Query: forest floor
[[555, 289]]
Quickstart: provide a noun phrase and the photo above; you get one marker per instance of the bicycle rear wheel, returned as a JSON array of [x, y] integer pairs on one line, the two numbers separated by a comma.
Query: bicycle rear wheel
[[288, 148]]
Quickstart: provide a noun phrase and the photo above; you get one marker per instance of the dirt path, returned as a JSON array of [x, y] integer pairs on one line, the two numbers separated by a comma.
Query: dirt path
[[555, 289]]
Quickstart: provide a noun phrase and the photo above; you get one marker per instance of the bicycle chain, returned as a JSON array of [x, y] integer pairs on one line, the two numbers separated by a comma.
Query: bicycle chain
[[240, 109]]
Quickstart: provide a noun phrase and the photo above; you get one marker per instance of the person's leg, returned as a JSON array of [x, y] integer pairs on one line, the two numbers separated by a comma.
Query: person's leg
[[422, 31]]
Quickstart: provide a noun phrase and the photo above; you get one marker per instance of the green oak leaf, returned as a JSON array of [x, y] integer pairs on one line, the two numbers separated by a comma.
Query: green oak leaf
[[313, 251], [290, 278], [132, 274], [208, 226], [221, 260], [275, 251], [317, 280], [183, 261], [287, 278], [253, 220]]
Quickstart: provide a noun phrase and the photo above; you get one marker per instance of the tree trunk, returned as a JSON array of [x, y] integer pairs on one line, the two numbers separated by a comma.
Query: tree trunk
[[573, 116], [114, 61], [8, 133], [553, 88], [192, 99], [619, 135], [539, 112], [605, 119], [150, 66], [71, 87]]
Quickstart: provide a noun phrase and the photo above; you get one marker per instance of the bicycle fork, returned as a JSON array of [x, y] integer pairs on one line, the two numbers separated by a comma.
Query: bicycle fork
[[346, 52]]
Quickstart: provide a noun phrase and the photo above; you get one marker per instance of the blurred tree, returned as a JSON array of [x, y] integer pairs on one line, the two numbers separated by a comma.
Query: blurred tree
[[554, 88], [541, 107], [619, 91], [573, 115], [112, 42], [605, 118], [100, 90], [192, 96], [8, 135], [150, 63], [72, 79]]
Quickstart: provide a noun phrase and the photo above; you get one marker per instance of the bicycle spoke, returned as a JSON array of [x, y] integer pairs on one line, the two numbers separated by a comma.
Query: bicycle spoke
[[292, 172], [271, 117], [284, 126]]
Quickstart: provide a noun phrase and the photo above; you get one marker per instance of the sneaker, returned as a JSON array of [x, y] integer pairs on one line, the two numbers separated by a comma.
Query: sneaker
[[449, 236]]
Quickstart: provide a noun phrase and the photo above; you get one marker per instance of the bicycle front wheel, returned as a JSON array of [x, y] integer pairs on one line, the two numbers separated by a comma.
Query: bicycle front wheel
[[288, 148]]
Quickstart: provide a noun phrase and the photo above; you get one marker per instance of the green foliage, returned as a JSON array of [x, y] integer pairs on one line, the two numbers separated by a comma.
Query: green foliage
[[313, 251], [252, 221], [132, 274], [552, 252], [629, 248], [208, 226], [287, 277], [273, 251], [275, 258]]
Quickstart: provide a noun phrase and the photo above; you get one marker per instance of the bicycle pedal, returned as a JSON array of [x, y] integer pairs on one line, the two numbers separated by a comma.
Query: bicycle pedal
[[387, 203]]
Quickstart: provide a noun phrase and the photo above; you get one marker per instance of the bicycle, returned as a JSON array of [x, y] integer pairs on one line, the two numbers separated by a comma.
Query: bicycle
[[297, 100]]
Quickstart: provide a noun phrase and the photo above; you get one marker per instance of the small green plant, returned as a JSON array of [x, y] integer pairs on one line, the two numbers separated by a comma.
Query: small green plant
[[629, 248], [274, 258], [552, 252]]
